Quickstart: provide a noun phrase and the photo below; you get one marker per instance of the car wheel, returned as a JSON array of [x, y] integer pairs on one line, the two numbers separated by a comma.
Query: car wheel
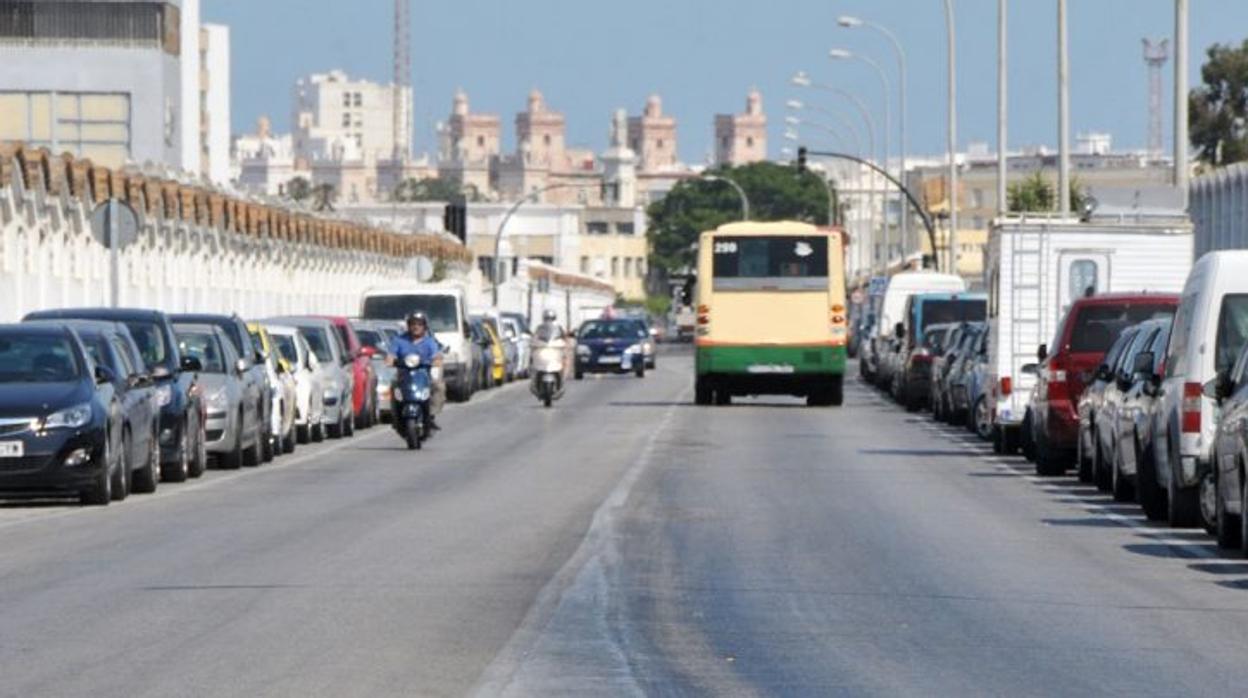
[[1183, 504], [1083, 463], [723, 397], [1121, 487], [1228, 527], [254, 454], [145, 478], [318, 432], [268, 447], [983, 419], [1101, 476], [836, 391], [579, 374], [1046, 464], [702, 392], [101, 493], [1208, 496], [640, 371], [303, 434], [179, 470], [199, 463], [288, 443], [121, 474], [1147, 491], [348, 425], [1243, 511]]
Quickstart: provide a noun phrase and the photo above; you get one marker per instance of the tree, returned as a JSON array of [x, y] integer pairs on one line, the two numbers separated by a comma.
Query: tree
[[298, 188], [1218, 109], [776, 192], [433, 189], [1035, 194]]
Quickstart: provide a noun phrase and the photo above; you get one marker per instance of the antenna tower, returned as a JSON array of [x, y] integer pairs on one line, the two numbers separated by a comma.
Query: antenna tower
[[402, 124], [1155, 55]]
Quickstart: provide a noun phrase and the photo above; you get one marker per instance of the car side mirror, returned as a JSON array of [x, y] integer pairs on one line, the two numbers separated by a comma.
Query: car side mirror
[[189, 363], [261, 356], [1030, 369], [138, 380], [1042, 352], [104, 374], [162, 372], [1217, 388], [240, 366]]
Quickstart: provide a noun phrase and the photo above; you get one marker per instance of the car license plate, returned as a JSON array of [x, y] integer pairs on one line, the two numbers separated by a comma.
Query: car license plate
[[769, 368], [12, 449], [608, 359]]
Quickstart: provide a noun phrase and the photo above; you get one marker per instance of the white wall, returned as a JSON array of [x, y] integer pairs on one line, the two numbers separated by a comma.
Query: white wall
[[188, 106], [218, 67]]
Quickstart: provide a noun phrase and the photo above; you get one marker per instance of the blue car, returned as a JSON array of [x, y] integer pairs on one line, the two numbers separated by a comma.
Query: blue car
[[611, 346]]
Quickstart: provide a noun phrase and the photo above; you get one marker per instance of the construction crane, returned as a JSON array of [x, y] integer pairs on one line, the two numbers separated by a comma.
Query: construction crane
[[402, 79]]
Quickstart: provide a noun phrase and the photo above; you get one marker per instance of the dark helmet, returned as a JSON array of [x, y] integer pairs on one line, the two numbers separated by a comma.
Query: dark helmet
[[549, 316], [416, 317]]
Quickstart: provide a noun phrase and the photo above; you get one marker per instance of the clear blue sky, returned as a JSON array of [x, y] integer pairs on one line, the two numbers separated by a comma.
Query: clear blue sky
[[590, 57]]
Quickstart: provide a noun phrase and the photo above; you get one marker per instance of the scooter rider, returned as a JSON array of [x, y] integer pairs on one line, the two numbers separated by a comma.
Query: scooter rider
[[550, 329], [418, 340]]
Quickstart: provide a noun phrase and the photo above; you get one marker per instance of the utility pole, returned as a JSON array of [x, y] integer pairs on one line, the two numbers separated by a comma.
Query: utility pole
[[1002, 111], [401, 124], [1063, 115], [1180, 99], [953, 140]]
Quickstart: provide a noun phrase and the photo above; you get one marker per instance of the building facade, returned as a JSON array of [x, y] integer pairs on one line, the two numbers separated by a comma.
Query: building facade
[[741, 139], [336, 118], [214, 103], [471, 144], [117, 82]]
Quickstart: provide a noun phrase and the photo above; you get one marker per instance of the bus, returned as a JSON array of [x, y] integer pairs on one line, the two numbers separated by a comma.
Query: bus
[[771, 313]]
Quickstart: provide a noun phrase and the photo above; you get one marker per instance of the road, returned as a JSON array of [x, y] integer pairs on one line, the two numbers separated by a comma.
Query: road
[[623, 543]]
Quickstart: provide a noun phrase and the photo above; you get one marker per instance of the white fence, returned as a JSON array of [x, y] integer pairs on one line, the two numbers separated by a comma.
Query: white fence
[[1219, 209]]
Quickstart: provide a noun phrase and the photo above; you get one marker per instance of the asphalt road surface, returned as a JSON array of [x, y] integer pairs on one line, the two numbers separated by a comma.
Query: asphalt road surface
[[623, 543]]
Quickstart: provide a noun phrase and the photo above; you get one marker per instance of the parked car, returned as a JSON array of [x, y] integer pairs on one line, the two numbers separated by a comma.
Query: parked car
[[516, 330], [1085, 333], [938, 400], [376, 342], [1088, 446], [236, 428], [333, 368], [483, 348], [282, 391], [1210, 328], [912, 376], [447, 310], [498, 353], [1132, 428], [62, 421], [957, 381], [1230, 454], [183, 451], [364, 379], [977, 381], [254, 373], [1111, 403], [305, 369], [892, 311], [610, 346]]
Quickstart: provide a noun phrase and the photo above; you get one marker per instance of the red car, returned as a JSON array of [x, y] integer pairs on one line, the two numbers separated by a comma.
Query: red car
[[364, 398], [1051, 425]]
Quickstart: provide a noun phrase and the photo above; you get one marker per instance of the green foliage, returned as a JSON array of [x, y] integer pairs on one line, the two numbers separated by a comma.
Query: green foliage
[[298, 188], [433, 189], [776, 192], [1217, 110], [658, 306], [1035, 194]]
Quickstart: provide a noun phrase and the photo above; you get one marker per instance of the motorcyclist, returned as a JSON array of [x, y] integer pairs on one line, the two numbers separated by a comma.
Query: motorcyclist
[[419, 340], [550, 329]]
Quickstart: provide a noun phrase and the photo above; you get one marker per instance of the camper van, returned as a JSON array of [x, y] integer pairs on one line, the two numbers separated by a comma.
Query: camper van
[[1037, 267]]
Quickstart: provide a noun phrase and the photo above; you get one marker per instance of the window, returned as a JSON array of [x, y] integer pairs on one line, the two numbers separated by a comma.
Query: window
[[546, 139], [977, 222], [87, 124], [597, 228], [584, 265], [749, 142], [659, 143], [346, 120], [724, 142], [615, 267], [977, 199], [625, 228], [1232, 331], [1082, 278], [480, 141], [785, 263], [359, 99], [641, 266], [628, 267], [1180, 330], [346, 99]]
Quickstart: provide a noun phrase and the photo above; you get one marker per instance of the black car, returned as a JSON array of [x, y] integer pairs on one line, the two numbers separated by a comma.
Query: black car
[[110, 344], [182, 447], [62, 423], [610, 346], [256, 391]]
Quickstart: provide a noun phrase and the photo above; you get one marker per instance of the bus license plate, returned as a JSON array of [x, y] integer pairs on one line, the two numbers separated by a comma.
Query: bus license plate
[[769, 368], [12, 449]]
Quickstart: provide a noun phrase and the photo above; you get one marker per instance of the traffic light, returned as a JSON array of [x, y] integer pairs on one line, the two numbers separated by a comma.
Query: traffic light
[[455, 220], [801, 158]]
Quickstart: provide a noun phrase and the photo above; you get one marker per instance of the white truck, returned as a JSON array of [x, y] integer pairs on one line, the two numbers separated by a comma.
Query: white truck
[[1036, 266]]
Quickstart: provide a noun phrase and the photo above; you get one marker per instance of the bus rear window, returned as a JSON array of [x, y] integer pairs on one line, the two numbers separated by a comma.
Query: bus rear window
[[782, 263]]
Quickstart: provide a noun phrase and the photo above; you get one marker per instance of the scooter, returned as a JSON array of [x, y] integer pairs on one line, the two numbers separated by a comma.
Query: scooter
[[411, 389], [548, 368]]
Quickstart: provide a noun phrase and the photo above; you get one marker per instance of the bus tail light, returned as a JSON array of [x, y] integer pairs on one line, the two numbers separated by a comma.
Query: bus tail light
[[1007, 386], [1191, 408], [838, 319], [704, 314], [838, 308]]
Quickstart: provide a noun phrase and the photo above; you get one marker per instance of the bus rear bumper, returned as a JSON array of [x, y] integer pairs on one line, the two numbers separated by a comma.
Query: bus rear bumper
[[793, 370]]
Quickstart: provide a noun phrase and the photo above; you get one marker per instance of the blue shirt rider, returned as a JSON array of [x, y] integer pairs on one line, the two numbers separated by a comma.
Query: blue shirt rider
[[419, 340]]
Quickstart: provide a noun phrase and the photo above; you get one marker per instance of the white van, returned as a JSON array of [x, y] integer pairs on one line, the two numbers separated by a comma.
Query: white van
[[446, 309], [1210, 328], [893, 310], [1036, 267]]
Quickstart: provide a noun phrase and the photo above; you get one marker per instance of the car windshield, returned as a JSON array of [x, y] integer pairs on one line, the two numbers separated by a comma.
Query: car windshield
[[371, 338], [37, 358], [962, 310], [202, 345], [1098, 325], [319, 341], [617, 329], [286, 346], [440, 309], [151, 342]]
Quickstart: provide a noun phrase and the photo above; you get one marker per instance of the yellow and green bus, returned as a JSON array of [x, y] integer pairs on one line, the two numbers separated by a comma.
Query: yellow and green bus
[[771, 313]]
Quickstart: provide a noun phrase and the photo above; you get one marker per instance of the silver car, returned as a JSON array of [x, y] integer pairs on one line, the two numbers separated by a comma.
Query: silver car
[[234, 429], [375, 335], [334, 371]]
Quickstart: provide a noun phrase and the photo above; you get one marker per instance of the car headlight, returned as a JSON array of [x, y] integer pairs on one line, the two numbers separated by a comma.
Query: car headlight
[[218, 402], [330, 393], [635, 349], [164, 395], [582, 350], [71, 418]]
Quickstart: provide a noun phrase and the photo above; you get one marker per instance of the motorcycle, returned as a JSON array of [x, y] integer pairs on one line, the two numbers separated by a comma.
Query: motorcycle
[[548, 367], [412, 386]]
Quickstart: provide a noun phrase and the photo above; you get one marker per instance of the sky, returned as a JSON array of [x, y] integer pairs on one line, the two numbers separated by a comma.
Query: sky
[[590, 57]]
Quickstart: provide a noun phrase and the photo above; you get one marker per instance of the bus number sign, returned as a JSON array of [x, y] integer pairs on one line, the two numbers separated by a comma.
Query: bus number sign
[[725, 247]]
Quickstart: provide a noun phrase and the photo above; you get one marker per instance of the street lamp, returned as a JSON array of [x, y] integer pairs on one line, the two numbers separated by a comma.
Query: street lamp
[[953, 139], [853, 22], [745, 201], [840, 54], [797, 105]]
